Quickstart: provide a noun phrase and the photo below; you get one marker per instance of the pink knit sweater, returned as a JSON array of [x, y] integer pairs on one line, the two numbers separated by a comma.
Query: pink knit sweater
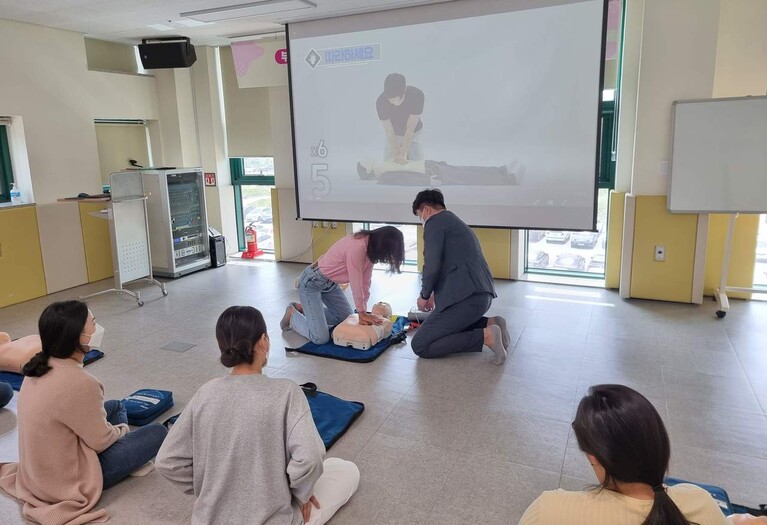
[[62, 428]]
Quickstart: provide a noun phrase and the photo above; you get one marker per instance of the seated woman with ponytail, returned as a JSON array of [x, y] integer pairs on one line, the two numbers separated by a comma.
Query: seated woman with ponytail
[[625, 441], [72, 444], [246, 445]]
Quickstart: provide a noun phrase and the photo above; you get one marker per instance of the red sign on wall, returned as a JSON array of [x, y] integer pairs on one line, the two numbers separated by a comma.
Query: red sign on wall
[[281, 56], [210, 179]]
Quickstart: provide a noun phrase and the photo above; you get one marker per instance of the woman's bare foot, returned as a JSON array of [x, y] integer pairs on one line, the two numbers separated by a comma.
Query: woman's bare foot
[[285, 321]]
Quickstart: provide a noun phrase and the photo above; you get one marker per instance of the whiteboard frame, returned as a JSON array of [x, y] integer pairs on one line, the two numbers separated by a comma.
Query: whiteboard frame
[[671, 158]]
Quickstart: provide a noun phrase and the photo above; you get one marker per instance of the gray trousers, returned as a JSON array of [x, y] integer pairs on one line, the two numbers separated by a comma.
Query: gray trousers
[[457, 328]]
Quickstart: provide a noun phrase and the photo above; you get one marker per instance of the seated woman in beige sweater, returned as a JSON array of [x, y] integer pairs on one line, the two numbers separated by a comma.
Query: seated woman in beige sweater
[[72, 444], [626, 442], [246, 445]]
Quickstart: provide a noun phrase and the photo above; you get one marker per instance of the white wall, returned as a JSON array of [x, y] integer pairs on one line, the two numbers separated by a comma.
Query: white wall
[[295, 235], [45, 80], [248, 124], [678, 57], [741, 58]]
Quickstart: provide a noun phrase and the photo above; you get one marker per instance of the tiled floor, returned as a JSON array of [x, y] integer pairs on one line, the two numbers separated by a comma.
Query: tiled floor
[[455, 440]]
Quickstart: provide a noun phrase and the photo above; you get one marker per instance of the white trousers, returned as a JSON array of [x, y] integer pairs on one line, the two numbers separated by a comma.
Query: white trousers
[[339, 481]]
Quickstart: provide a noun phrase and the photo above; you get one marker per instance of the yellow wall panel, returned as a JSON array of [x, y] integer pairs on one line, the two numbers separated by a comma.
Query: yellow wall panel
[[614, 239], [22, 276], [98, 246], [496, 246], [276, 224], [742, 256], [323, 239], [670, 280]]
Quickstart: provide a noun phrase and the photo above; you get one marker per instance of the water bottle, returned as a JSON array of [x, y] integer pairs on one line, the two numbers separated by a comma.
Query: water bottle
[[15, 194]]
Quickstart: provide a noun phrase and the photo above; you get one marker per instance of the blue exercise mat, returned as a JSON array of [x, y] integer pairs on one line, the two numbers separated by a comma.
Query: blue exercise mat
[[343, 353], [332, 415], [15, 379]]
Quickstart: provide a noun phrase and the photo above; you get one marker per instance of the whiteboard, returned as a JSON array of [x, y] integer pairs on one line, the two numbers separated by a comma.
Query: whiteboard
[[719, 156]]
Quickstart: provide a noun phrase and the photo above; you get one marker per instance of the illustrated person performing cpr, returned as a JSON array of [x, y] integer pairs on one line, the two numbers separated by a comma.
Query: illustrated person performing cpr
[[457, 287], [399, 109], [349, 261]]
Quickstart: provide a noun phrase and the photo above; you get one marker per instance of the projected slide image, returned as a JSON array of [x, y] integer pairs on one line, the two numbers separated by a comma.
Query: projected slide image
[[500, 111], [436, 173]]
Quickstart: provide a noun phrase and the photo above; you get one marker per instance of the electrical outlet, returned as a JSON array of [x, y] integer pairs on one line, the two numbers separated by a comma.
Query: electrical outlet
[[660, 253], [325, 224], [334, 225], [315, 224]]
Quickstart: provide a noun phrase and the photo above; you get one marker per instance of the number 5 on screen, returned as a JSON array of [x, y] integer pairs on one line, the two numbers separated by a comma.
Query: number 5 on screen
[[324, 188]]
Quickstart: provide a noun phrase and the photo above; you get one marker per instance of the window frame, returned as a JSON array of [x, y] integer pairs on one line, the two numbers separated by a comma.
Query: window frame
[[6, 166], [239, 179]]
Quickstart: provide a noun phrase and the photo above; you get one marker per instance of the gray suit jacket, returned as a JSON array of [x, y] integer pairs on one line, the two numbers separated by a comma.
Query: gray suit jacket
[[454, 267]]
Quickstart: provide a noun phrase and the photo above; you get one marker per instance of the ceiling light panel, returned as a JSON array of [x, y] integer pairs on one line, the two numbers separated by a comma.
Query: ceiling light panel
[[248, 10]]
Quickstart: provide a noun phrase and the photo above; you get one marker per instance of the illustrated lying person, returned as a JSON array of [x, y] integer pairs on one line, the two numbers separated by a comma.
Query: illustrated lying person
[[428, 172]]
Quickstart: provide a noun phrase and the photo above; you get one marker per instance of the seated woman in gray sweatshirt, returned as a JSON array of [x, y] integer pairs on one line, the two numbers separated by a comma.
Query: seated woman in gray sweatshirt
[[246, 445]]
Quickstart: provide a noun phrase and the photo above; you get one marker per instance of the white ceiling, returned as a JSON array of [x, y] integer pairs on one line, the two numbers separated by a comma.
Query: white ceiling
[[128, 21]]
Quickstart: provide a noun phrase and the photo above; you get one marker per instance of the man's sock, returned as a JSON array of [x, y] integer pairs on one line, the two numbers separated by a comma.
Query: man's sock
[[497, 346]]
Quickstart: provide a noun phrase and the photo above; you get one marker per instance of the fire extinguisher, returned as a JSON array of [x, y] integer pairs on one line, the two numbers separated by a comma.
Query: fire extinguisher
[[251, 243]]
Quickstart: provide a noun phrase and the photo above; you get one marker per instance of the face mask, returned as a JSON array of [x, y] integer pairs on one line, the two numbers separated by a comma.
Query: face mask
[[96, 337]]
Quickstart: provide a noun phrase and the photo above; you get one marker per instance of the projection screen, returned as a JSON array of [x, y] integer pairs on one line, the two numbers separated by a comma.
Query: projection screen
[[495, 102]]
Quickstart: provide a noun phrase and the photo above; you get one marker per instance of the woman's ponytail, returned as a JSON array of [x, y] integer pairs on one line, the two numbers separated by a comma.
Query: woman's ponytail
[[664, 511], [37, 366]]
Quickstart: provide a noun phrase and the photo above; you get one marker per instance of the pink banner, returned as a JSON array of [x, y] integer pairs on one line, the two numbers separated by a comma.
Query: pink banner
[[244, 54]]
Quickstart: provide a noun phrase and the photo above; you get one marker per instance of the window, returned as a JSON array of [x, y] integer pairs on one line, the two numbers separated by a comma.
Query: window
[[760, 270], [409, 232], [6, 169], [253, 180], [579, 253]]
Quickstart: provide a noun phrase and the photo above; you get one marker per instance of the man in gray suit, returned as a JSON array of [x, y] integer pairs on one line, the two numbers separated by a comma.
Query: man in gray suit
[[457, 287]]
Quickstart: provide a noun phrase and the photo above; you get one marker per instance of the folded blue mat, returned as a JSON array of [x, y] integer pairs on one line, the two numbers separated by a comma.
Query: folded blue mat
[[332, 415], [343, 353], [15, 379]]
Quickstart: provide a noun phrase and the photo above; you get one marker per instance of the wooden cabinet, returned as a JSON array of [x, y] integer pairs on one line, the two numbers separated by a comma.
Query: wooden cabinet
[[22, 276], [98, 246]]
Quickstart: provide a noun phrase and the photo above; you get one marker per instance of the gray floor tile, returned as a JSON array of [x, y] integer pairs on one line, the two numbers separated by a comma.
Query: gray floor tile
[[479, 490], [401, 470], [719, 430], [702, 391], [431, 421], [520, 438], [535, 396], [711, 362], [743, 477]]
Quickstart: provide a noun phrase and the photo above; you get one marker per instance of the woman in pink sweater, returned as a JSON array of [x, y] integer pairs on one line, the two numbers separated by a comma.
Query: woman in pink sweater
[[72, 444], [350, 260]]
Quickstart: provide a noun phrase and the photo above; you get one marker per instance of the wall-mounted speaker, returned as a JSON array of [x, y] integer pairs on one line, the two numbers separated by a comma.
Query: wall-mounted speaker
[[163, 53]]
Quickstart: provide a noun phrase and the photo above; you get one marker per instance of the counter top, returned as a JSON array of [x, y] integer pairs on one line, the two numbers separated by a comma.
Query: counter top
[[7, 205]]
